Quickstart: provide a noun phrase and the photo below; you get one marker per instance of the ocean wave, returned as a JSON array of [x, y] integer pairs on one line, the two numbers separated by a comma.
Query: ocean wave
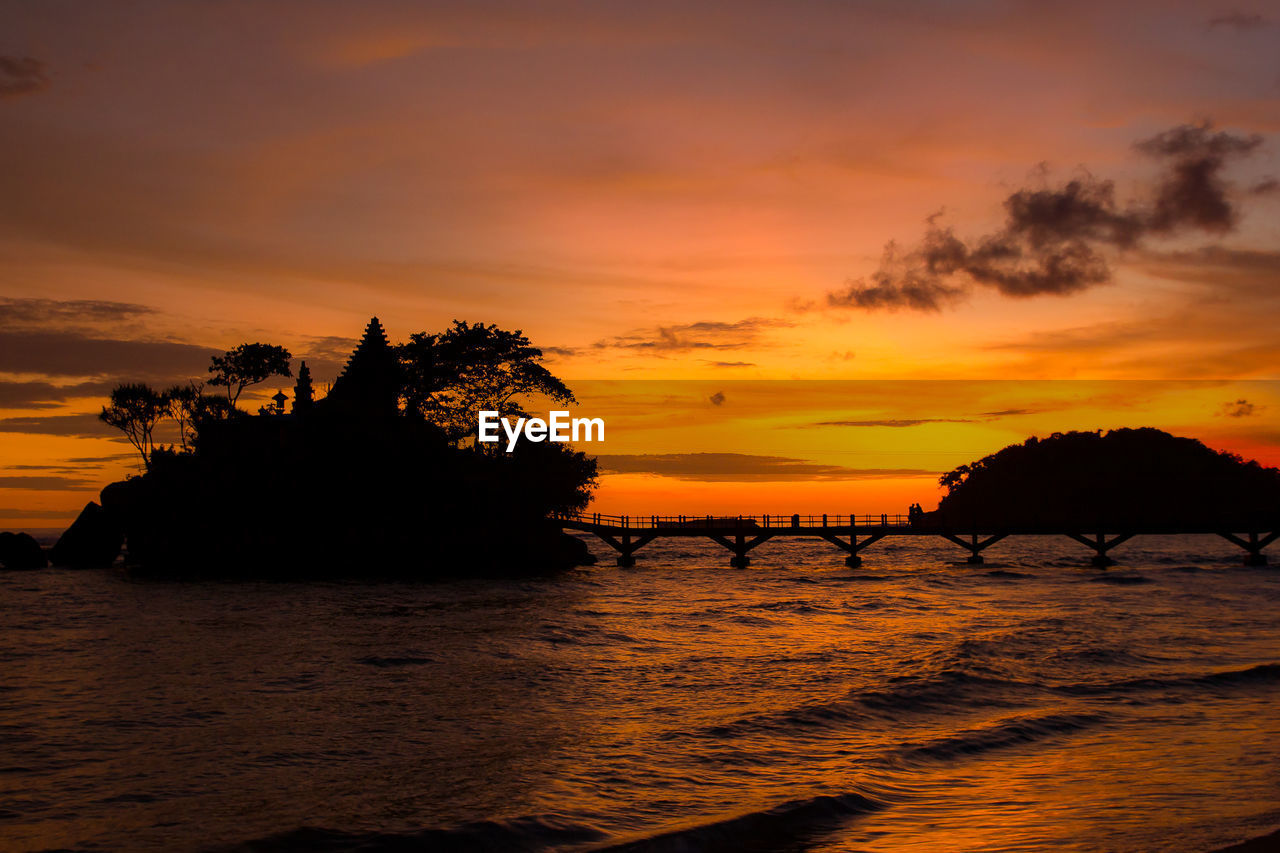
[[537, 832], [1266, 673], [804, 718], [1011, 732], [573, 635], [948, 691], [1119, 579], [785, 827], [383, 662]]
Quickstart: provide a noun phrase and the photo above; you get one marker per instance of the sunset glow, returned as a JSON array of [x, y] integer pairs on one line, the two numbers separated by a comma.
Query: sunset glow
[[658, 192]]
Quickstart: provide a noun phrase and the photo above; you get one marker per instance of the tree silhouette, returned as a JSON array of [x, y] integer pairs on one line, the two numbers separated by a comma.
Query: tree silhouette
[[1123, 477], [246, 365], [451, 377], [184, 405], [135, 409]]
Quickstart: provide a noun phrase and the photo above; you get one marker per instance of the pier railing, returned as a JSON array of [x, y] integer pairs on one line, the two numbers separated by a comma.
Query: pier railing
[[854, 532], [732, 522]]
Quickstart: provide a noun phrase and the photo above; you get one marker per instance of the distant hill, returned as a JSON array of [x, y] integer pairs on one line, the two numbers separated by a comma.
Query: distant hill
[[1125, 476]]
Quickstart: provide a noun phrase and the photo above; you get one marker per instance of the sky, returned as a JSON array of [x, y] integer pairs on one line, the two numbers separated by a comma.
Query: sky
[[714, 193]]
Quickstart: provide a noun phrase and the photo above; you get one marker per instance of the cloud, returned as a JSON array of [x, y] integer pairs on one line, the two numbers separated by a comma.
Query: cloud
[[76, 464], [44, 395], [84, 338], [1239, 409], [1054, 239], [895, 422], [1266, 186], [743, 467], [41, 313], [717, 399], [325, 356], [1247, 272], [706, 334], [21, 75], [729, 363], [70, 353], [1237, 21], [80, 426], [1193, 192], [46, 484], [17, 512]]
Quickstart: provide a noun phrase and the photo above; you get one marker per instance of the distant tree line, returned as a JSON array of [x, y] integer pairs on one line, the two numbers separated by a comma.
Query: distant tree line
[[1125, 477]]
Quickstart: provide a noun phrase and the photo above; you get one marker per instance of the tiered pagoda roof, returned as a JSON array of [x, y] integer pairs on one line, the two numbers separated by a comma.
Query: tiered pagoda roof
[[370, 382]]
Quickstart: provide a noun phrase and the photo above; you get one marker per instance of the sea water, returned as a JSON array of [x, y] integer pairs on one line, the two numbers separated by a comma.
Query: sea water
[[915, 703]]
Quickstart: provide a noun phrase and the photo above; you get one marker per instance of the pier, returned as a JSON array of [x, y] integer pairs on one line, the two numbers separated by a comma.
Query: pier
[[853, 534]]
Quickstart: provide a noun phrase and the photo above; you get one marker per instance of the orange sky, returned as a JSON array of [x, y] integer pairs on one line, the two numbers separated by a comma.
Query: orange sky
[[651, 191]]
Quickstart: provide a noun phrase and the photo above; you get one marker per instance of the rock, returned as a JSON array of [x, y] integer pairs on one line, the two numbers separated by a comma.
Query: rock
[[575, 552], [92, 541], [20, 551]]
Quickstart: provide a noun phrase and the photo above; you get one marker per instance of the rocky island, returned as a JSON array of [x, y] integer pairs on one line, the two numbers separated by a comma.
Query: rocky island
[[379, 478]]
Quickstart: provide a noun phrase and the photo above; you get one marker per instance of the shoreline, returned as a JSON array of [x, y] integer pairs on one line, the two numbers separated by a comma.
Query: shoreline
[[1268, 843]]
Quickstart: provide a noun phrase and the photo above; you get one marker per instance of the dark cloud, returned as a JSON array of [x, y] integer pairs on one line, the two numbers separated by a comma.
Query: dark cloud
[[743, 467], [17, 512], [21, 75], [96, 460], [325, 356], [1250, 272], [717, 399], [909, 280], [1266, 186], [83, 338], [1193, 193], [729, 363], [42, 313], [43, 395], [1237, 20], [1054, 239], [71, 353], [895, 422], [707, 334], [1239, 409], [80, 426], [559, 352], [46, 484], [76, 464]]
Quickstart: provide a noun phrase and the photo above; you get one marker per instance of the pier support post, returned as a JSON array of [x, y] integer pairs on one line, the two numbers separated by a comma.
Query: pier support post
[[1253, 546], [853, 547], [975, 546], [1101, 545], [975, 553], [625, 545], [625, 559], [740, 545]]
